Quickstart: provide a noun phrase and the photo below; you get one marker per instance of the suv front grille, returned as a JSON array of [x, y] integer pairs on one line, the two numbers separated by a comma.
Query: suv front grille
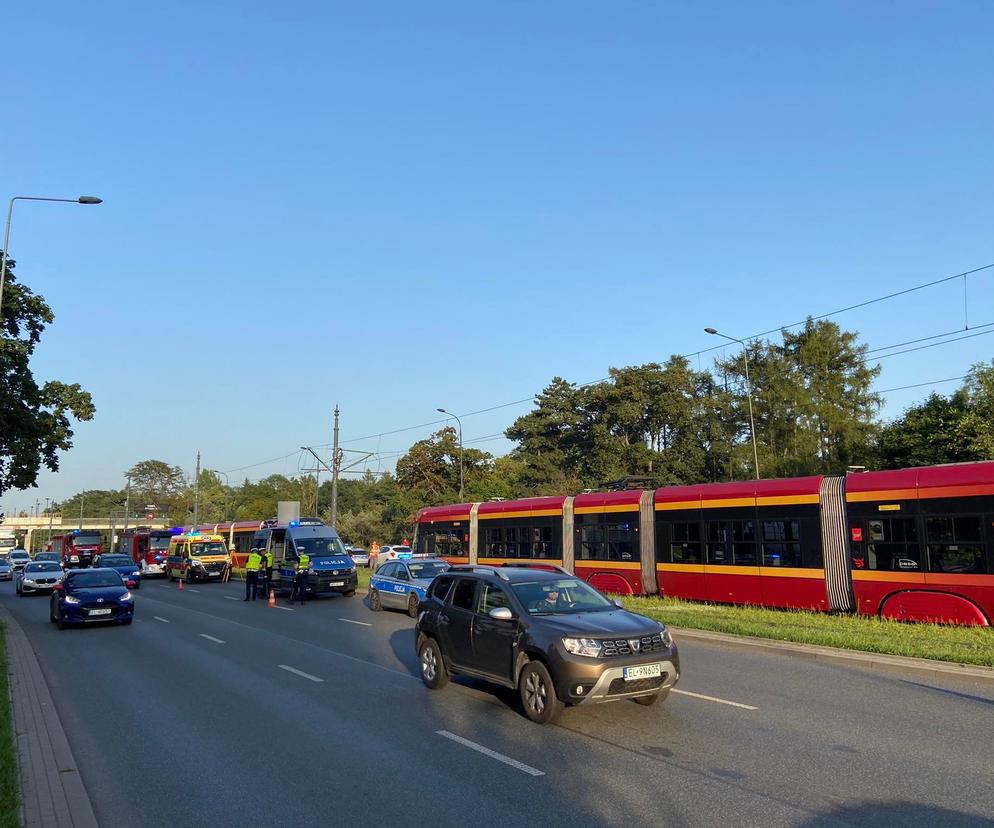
[[612, 648], [620, 686]]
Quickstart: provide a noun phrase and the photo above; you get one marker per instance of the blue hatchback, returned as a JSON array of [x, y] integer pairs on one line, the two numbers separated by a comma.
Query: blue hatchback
[[123, 565], [86, 596]]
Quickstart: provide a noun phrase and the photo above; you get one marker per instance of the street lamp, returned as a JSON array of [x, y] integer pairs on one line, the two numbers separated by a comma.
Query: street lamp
[[449, 413], [6, 235], [752, 422]]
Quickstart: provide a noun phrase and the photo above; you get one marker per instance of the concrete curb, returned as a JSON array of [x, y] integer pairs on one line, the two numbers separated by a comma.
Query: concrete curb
[[856, 658], [52, 790]]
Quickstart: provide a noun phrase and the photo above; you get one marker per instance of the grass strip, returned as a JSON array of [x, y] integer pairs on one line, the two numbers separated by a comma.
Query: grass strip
[[9, 779], [870, 634]]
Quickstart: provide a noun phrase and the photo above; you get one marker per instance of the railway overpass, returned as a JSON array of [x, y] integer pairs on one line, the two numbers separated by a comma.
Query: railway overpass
[[34, 531]]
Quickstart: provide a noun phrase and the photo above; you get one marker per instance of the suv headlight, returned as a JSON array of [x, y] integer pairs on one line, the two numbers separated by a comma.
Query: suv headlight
[[126, 597], [582, 646], [667, 637], [70, 600]]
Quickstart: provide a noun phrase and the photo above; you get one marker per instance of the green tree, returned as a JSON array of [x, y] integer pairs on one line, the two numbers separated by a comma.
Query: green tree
[[35, 421], [926, 434], [430, 469]]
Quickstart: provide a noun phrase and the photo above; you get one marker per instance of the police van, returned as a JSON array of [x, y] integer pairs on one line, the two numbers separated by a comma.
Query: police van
[[331, 568]]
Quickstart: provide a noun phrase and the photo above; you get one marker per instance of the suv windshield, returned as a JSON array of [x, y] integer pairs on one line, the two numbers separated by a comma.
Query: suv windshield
[[19, 555], [563, 596], [318, 547], [116, 560], [215, 548], [85, 580], [158, 544]]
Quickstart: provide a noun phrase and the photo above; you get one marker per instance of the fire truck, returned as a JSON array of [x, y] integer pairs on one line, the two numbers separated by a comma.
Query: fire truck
[[78, 548], [147, 547]]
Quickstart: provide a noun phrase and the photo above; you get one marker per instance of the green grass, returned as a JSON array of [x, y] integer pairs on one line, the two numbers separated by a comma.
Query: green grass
[[963, 645], [364, 574], [9, 780]]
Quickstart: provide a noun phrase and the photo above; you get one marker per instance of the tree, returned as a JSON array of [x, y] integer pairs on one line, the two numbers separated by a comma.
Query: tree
[[34, 420], [156, 482], [430, 469]]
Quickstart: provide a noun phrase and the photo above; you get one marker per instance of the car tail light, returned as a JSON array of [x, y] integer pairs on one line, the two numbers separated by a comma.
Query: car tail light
[[129, 583]]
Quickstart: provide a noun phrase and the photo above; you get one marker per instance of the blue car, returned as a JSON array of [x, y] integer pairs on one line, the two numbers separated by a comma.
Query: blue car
[[123, 565], [402, 584], [86, 596]]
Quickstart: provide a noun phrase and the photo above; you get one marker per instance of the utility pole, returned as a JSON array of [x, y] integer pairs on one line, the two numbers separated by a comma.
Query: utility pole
[[336, 463], [196, 496], [127, 504], [47, 501], [81, 510]]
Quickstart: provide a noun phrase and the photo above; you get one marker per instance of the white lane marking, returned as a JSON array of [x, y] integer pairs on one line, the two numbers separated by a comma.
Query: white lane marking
[[288, 609], [160, 618], [211, 638], [230, 598], [500, 757], [712, 698], [164, 586], [297, 672], [350, 621], [188, 589]]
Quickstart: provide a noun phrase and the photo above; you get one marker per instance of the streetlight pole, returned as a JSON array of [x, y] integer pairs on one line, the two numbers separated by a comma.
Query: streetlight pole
[[47, 509], [6, 235], [752, 422], [443, 411]]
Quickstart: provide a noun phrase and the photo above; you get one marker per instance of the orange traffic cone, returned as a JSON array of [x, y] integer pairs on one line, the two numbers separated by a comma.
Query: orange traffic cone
[[272, 598], [180, 584]]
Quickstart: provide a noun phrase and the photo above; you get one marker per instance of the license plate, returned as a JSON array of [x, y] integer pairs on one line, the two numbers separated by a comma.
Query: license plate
[[101, 612], [337, 583], [643, 671], [213, 574]]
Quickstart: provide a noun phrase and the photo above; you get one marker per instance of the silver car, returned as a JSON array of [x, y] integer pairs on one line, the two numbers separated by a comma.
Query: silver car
[[6, 570], [402, 584], [37, 576], [18, 558]]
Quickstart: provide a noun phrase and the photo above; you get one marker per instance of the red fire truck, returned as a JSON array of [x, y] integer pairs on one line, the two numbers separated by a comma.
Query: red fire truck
[[148, 548], [78, 548]]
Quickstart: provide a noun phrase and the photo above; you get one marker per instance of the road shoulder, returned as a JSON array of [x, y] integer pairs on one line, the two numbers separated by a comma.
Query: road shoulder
[[52, 789]]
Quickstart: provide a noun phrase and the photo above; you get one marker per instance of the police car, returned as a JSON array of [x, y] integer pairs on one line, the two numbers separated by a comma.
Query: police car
[[403, 584]]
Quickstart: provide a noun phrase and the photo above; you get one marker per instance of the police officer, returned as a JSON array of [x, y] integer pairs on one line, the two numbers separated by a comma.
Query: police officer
[[269, 571], [252, 567], [300, 580]]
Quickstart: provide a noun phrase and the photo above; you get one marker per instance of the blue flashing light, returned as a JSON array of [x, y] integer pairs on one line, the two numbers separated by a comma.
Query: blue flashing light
[[294, 522], [75, 531]]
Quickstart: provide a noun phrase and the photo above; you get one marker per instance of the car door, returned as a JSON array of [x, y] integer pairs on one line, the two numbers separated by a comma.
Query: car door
[[493, 639], [383, 581], [401, 584], [455, 623]]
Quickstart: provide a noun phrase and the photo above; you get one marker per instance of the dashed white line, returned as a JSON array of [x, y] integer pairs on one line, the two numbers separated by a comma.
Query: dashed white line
[[350, 621], [288, 609], [160, 618], [714, 699], [493, 754], [211, 638], [188, 589], [231, 598], [300, 673], [164, 586]]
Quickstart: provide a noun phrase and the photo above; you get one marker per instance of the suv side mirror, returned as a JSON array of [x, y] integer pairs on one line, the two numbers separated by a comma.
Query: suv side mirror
[[501, 614], [618, 604]]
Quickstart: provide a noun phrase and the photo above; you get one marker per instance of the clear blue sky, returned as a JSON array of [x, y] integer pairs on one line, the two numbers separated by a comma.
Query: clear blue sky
[[400, 206]]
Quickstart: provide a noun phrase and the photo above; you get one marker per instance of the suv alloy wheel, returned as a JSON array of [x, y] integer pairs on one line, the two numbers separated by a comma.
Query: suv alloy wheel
[[433, 672], [538, 693]]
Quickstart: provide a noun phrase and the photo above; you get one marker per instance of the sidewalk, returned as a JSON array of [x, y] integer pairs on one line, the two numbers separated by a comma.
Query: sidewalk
[[52, 790]]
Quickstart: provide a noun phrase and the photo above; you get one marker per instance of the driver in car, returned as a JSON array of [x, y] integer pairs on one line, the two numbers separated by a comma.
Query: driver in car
[[549, 603]]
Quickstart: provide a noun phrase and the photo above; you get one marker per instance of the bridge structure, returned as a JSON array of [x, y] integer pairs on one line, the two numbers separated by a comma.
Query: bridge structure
[[33, 532]]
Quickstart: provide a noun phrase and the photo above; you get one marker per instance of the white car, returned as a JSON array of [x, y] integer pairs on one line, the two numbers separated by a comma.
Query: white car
[[390, 552], [18, 558]]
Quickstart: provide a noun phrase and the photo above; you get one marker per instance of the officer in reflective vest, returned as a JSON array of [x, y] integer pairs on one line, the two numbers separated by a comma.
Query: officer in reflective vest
[[300, 579], [269, 570], [252, 567]]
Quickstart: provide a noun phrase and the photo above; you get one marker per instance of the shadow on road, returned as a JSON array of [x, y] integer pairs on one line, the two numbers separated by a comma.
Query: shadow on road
[[904, 814]]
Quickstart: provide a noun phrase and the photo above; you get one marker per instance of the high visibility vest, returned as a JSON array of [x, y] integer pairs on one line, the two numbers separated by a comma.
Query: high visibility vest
[[305, 561], [269, 560], [254, 562]]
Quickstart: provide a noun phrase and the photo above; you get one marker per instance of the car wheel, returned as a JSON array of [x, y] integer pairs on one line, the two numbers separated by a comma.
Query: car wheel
[[59, 621], [433, 672], [648, 701], [374, 600], [51, 611], [538, 693], [413, 606], [172, 577]]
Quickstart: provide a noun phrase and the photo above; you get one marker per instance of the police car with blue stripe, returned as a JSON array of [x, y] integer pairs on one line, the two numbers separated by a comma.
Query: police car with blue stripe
[[403, 584]]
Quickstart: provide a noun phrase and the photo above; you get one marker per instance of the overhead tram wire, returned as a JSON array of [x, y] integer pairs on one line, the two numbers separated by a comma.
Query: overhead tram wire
[[886, 297]]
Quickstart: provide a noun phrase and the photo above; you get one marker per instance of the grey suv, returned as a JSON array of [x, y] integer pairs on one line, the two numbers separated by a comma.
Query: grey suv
[[547, 633]]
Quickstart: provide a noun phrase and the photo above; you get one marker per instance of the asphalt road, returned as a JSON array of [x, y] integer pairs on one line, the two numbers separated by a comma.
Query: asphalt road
[[210, 711]]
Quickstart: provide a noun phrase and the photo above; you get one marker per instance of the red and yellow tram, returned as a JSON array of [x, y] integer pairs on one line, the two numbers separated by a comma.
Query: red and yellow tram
[[910, 544]]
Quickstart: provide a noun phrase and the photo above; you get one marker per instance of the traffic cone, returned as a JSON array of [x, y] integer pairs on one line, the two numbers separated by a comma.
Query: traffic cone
[[180, 584], [272, 598]]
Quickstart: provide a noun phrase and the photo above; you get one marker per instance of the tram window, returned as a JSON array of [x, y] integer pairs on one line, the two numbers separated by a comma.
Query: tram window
[[893, 545], [608, 542], [685, 542], [954, 544], [781, 543], [716, 542], [744, 543]]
